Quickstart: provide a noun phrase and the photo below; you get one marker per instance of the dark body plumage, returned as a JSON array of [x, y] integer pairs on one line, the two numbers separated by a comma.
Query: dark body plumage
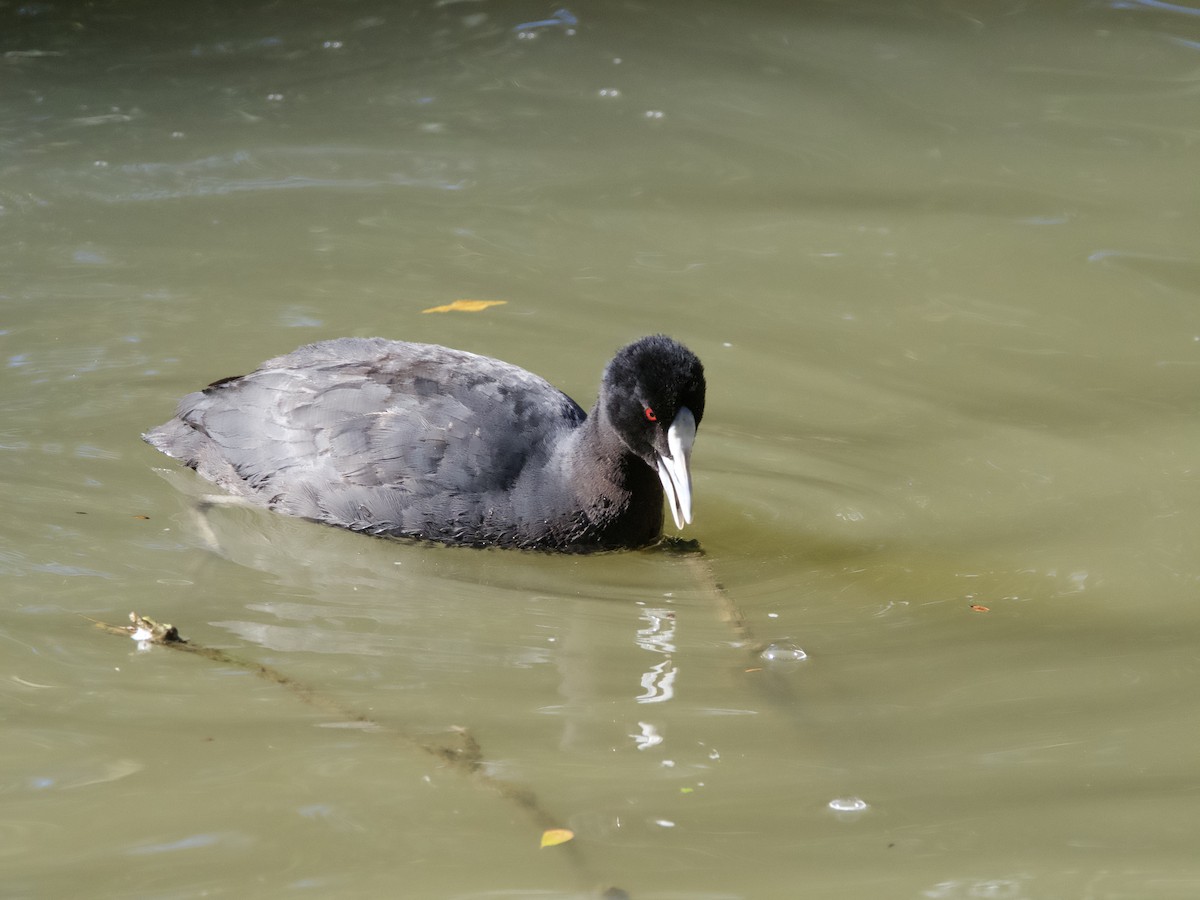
[[417, 440]]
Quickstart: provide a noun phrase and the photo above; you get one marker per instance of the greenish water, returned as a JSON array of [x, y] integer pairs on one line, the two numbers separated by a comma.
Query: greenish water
[[941, 264]]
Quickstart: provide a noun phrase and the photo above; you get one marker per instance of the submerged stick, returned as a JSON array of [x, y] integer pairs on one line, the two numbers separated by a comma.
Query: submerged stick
[[463, 753], [780, 691], [727, 609]]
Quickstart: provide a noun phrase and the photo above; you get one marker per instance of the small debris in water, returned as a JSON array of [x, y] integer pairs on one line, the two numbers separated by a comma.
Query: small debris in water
[[143, 629], [465, 306], [782, 651], [848, 804], [561, 17], [552, 837]]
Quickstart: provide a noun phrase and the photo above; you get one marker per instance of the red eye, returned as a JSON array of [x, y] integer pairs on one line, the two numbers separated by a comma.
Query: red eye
[[650, 416]]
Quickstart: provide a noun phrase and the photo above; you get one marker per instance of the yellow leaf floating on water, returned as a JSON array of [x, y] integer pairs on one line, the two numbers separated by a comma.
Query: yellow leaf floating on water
[[552, 837], [465, 306]]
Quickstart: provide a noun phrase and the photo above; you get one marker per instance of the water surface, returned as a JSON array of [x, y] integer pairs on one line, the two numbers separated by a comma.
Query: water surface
[[940, 262]]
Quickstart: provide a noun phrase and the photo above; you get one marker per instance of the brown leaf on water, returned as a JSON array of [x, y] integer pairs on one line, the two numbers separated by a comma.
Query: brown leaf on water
[[465, 306], [552, 837]]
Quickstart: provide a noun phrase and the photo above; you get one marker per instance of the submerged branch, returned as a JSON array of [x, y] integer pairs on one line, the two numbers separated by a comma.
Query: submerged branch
[[460, 751], [727, 609]]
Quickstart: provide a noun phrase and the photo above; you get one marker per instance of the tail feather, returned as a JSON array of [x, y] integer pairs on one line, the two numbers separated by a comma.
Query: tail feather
[[178, 440]]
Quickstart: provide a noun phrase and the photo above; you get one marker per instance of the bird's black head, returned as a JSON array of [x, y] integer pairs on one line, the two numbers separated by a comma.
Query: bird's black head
[[652, 395], [644, 388]]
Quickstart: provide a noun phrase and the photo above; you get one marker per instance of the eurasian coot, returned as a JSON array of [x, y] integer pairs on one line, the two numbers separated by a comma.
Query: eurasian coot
[[420, 441]]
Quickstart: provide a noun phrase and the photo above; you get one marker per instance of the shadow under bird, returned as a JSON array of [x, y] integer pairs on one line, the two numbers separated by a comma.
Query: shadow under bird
[[420, 441]]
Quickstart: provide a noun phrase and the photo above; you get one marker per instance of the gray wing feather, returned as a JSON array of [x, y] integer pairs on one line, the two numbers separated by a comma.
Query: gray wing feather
[[370, 433]]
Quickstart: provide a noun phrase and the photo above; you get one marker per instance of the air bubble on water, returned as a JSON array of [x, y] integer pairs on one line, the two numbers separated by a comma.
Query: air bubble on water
[[848, 804], [782, 652]]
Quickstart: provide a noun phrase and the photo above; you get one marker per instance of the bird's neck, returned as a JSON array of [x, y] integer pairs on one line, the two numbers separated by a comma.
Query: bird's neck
[[618, 493]]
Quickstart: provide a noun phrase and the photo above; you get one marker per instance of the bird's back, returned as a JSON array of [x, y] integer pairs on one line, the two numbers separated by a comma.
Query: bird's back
[[378, 436]]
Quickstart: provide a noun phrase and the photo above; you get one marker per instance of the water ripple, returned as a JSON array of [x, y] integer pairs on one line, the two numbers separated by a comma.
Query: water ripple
[[241, 172]]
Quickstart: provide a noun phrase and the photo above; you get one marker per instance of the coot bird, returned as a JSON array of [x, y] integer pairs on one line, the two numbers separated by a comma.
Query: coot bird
[[416, 440]]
